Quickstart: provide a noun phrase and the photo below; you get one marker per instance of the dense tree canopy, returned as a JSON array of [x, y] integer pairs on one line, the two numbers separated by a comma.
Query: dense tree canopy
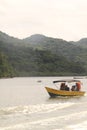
[[5, 68], [44, 57]]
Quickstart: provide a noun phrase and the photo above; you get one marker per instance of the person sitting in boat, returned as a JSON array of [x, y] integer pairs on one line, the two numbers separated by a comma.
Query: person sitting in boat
[[73, 88], [62, 87], [67, 88], [78, 86]]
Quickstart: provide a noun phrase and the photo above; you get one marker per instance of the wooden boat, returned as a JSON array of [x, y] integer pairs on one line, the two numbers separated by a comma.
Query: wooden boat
[[56, 92]]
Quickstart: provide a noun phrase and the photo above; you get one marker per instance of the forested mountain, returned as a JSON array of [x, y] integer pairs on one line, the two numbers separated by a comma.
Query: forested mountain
[[82, 43], [39, 55], [6, 69], [8, 39], [56, 46]]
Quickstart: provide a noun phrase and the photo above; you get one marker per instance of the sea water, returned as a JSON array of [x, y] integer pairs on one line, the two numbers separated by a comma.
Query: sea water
[[26, 105]]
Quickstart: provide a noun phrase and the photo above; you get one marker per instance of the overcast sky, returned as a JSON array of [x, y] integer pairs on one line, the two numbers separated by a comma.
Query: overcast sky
[[66, 19]]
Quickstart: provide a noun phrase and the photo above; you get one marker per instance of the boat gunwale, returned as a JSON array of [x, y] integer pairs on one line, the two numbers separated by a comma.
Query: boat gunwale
[[64, 92]]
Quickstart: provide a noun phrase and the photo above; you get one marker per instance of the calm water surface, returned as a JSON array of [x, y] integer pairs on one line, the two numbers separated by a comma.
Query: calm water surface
[[25, 105]]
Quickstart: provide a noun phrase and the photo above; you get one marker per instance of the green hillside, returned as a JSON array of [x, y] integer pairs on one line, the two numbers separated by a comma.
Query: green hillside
[[6, 69], [82, 43], [39, 55], [56, 46]]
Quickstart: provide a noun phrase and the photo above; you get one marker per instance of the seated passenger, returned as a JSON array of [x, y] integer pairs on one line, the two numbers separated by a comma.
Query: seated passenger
[[73, 88], [62, 87], [67, 88], [78, 86]]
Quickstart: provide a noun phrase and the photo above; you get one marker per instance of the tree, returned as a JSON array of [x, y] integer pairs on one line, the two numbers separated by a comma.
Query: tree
[[5, 68]]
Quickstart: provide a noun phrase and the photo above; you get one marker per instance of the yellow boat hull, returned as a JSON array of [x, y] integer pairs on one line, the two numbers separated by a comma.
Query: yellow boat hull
[[54, 92]]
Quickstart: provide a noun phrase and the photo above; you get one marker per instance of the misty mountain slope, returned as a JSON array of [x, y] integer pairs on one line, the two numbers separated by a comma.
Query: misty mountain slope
[[56, 46], [59, 47], [39, 55], [35, 39], [82, 43], [9, 39]]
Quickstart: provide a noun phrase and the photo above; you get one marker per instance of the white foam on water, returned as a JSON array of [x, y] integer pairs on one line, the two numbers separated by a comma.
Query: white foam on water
[[47, 108], [41, 108], [10, 110], [80, 126], [50, 121]]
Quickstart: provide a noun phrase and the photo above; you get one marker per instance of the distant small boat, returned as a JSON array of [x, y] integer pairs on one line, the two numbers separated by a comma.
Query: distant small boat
[[56, 92], [79, 77], [39, 81]]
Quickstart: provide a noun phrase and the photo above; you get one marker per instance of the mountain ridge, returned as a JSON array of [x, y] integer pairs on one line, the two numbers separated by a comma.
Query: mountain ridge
[[39, 55], [39, 37]]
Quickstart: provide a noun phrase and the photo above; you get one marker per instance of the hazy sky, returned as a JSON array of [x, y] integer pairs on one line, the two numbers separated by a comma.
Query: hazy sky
[[65, 19]]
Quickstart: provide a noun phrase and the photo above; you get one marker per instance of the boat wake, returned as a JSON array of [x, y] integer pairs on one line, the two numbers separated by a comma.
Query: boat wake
[[44, 116], [34, 108], [51, 122]]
